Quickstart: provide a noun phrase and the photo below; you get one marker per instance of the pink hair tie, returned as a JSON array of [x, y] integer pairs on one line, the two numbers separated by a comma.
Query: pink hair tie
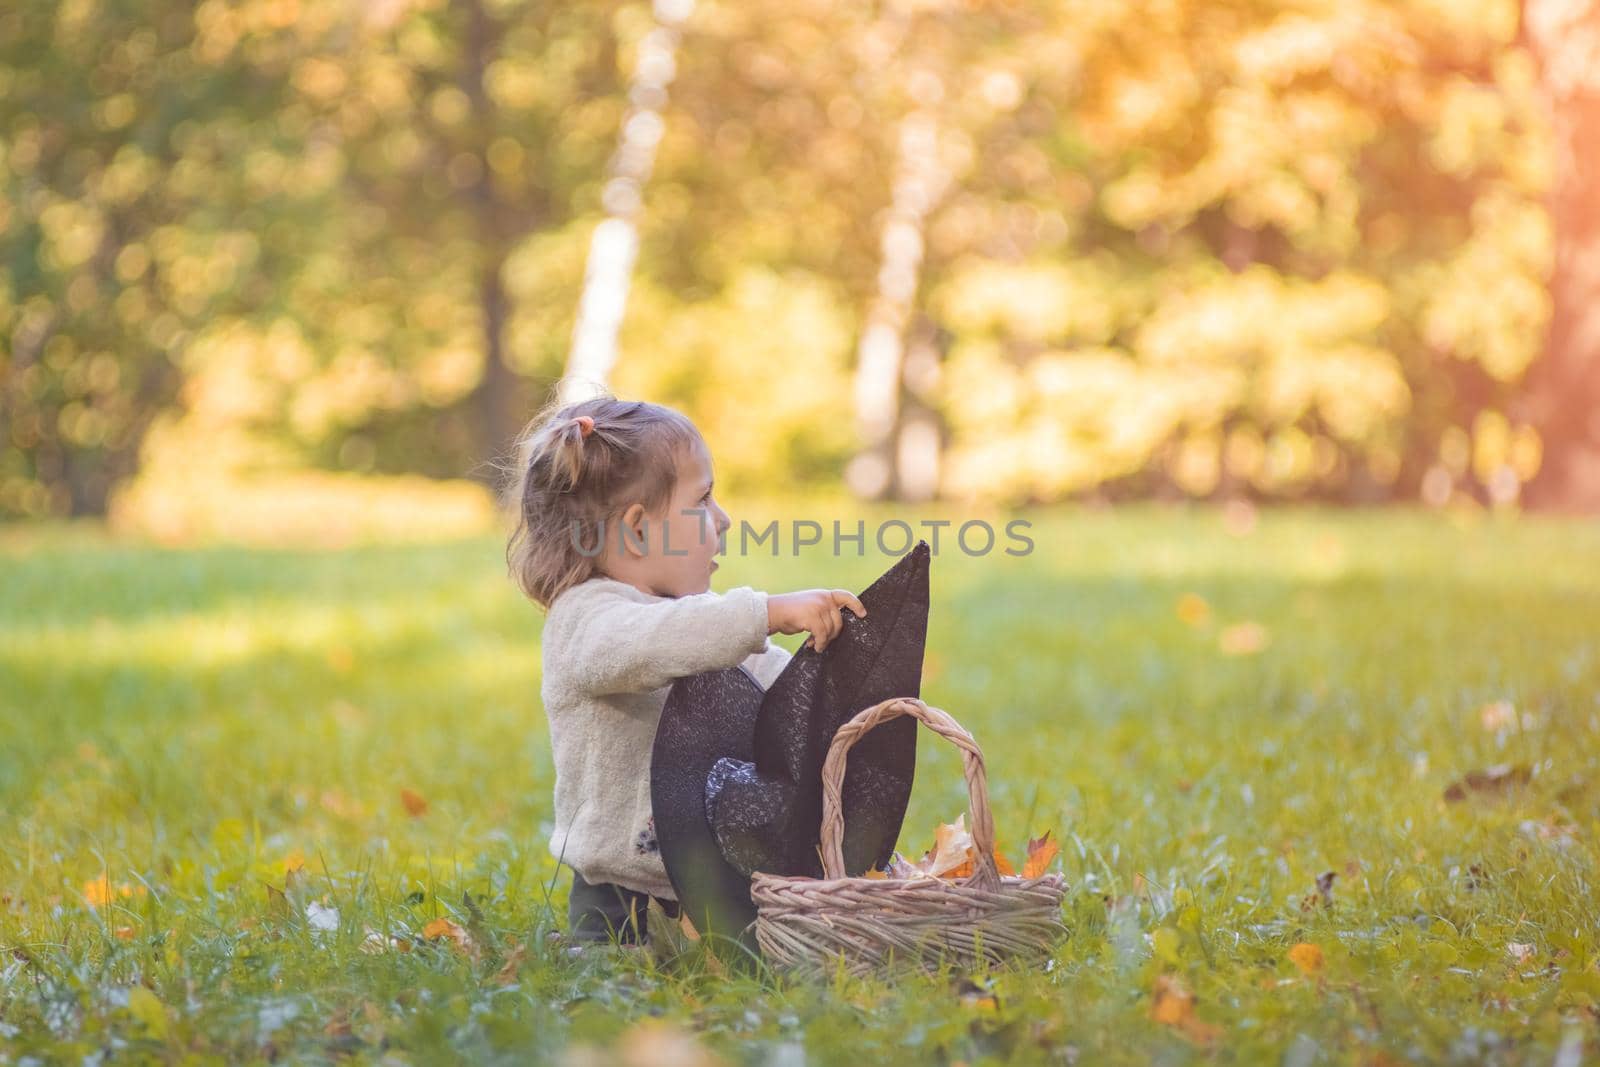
[[586, 424]]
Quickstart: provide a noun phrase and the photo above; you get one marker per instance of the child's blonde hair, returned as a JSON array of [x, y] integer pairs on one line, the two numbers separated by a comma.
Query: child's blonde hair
[[568, 485]]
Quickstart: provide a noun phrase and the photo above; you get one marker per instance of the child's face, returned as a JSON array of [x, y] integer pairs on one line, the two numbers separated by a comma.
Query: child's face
[[682, 543]]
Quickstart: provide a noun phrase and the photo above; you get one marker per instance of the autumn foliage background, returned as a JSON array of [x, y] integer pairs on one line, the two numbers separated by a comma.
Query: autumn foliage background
[[1186, 248]]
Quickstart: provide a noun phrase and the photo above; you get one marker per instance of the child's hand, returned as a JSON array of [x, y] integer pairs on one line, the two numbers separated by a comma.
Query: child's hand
[[816, 610]]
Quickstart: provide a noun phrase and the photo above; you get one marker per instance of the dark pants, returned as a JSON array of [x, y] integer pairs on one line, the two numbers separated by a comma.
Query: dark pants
[[597, 912]]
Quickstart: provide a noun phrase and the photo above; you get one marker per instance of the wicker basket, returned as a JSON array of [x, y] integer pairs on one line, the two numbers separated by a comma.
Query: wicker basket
[[808, 924]]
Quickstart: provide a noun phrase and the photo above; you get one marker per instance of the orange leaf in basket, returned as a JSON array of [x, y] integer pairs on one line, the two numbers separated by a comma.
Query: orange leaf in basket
[[1041, 851], [900, 867], [951, 845], [955, 855], [968, 868]]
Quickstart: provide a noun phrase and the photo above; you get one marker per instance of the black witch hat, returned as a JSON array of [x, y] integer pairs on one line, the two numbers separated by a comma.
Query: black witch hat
[[736, 773]]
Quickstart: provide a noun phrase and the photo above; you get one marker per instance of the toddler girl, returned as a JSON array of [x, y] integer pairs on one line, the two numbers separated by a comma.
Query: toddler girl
[[616, 532]]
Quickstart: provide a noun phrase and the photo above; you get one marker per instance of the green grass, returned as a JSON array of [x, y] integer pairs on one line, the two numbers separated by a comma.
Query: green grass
[[185, 721]]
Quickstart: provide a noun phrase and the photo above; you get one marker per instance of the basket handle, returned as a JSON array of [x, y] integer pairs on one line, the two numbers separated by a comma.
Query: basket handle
[[985, 874]]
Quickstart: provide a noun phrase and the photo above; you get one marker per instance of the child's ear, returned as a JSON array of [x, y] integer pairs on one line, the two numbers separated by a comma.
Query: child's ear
[[635, 526]]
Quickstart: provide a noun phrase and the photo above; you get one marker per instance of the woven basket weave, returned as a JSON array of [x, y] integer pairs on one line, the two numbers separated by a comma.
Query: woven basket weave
[[808, 924]]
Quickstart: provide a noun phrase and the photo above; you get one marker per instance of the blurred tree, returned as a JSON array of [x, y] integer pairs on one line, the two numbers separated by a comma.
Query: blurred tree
[[148, 188], [1563, 391], [1147, 247], [614, 246], [468, 128], [1268, 275], [824, 138]]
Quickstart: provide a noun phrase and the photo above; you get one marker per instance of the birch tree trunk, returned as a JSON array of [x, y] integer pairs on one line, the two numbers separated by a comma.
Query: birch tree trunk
[[614, 247], [1563, 387], [920, 181]]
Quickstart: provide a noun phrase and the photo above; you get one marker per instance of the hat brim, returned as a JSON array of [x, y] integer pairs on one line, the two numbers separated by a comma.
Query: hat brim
[[706, 717]]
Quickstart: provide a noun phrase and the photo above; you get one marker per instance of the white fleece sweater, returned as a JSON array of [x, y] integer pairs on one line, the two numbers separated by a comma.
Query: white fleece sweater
[[611, 652]]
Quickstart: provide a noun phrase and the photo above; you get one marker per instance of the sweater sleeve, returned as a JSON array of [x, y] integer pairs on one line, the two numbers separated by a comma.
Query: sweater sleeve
[[620, 645]]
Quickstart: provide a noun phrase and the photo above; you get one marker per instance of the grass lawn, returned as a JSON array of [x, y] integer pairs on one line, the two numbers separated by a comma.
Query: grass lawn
[[1208, 716]]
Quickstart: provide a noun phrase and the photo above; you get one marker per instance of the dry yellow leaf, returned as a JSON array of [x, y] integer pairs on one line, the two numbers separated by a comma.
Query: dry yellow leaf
[[1307, 957], [508, 971], [1173, 1005], [955, 856], [444, 928], [1192, 610], [99, 891]]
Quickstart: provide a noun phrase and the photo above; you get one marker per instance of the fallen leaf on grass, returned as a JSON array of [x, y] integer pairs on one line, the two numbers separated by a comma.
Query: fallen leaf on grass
[[1242, 639], [657, 1043], [1550, 829], [1496, 779], [1497, 715], [446, 929], [1520, 951], [277, 903], [1323, 894], [977, 994], [1192, 610], [336, 802], [442, 928], [507, 974], [1173, 1005], [1325, 887], [99, 891], [415, 803], [1307, 957], [375, 942]]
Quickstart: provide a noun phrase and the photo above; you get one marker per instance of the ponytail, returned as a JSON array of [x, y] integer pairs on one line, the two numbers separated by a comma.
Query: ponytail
[[578, 467]]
